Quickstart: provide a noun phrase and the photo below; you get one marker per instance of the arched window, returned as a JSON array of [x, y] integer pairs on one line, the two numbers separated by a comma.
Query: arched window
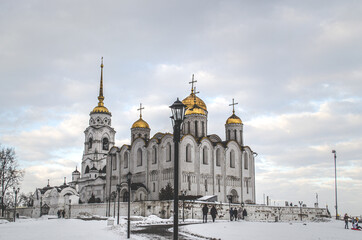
[[114, 161], [105, 144], [86, 169], [188, 153], [204, 155], [90, 142], [235, 135], [205, 185], [241, 136], [168, 152], [246, 161], [218, 156], [154, 160], [125, 160], [125, 197], [154, 187], [188, 128], [139, 157], [218, 184], [232, 159], [228, 134]]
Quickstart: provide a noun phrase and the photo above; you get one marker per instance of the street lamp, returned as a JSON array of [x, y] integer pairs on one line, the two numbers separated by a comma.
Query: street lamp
[[300, 205], [335, 180], [114, 195], [183, 192], [15, 199], [118, 191], [129, 177], [178, 114], [230, 197], [70, 204]]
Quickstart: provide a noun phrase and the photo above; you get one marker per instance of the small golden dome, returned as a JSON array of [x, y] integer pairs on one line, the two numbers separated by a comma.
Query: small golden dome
[[100, 109], [190, 102], [233, 119], [140, 123]]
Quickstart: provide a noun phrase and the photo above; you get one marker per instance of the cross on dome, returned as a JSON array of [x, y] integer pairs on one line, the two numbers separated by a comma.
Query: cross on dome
[[192, 83], [233, 104], [140, 109]]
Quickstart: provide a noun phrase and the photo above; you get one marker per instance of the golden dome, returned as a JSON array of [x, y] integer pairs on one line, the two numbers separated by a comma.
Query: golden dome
[[100, 109], [195, 110], [233, 119], [140, 123], [190, 101]]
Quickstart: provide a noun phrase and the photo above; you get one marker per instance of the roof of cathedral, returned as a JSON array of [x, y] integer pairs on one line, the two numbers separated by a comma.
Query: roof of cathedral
[[193, 99], [101, 108]]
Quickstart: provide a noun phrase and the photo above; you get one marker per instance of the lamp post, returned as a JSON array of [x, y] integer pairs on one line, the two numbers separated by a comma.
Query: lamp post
[[114, 195], [129, 177], [15, 199], [178, 114], [335, 180], [118, 191], [300, 205], [229, 197], [183, 192]]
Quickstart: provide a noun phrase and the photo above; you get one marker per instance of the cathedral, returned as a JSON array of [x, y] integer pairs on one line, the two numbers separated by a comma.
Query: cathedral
[[208, 165]]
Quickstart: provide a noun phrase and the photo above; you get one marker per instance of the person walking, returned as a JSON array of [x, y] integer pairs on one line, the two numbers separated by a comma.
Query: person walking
[[231, 214], [244, 214], [235, 212], [240, 212], [205, 210], [345, 221], [213, 213]]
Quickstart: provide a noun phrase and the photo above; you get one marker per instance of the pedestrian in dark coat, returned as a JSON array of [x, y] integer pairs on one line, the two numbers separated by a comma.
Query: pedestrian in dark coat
[[205, 210], [345, 221], [235, 212], [58, 213], [63, 213], [231, 214], [213, 213], [244, 213]]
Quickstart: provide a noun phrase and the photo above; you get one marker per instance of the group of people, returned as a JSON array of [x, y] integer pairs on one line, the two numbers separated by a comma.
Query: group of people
[[61, 213], [235, 214], [354, 222]]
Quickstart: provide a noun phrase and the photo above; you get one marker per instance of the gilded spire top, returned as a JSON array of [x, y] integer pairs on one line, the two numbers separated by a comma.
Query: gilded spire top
[[140, 109], [101, 108], [233, 104], [192, 84]]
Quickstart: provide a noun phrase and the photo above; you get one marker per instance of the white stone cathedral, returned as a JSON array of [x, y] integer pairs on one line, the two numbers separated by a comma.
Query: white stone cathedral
[[208, 166]]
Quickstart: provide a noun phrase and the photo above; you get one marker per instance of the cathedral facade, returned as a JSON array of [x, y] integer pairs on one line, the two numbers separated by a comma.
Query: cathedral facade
[[208, 165]]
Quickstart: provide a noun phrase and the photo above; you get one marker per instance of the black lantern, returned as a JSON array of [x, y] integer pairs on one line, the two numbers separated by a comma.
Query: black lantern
[[178, 112]]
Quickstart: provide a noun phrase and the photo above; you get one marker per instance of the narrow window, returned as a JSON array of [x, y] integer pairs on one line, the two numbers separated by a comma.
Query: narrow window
[[235, 135], [154, 155], [241, 136], [205, 185], [125, 160], [218, 184], [246, 161], [189, 182], [154, 187], [204, 155], [203, 128], [218, 157], [228, 134], [113, 159], [168, 152], [139, 157], [86, 170], [105, 144], [232, 159], [188, 153], [247, 186], [196, 130], [188, 128], [90, 143]]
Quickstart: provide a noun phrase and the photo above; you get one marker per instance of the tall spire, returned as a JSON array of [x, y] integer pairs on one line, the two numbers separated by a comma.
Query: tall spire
[[101, 97]]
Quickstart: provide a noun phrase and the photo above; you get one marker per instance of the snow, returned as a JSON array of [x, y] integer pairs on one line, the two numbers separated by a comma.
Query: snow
[[50, 227], [332, 230]]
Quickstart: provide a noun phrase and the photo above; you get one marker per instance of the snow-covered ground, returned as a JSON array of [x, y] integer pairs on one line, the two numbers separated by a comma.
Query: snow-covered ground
[[60, 229]]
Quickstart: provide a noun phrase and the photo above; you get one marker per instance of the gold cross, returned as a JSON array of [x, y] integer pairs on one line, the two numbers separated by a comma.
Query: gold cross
[[233, 104], [192, 83], [140, 109]]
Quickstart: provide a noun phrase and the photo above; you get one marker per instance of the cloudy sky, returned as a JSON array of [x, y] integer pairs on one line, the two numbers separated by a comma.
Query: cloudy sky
[[294, 67]]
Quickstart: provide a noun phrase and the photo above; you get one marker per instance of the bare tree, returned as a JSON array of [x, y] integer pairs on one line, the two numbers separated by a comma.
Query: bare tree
[[10, 174]]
